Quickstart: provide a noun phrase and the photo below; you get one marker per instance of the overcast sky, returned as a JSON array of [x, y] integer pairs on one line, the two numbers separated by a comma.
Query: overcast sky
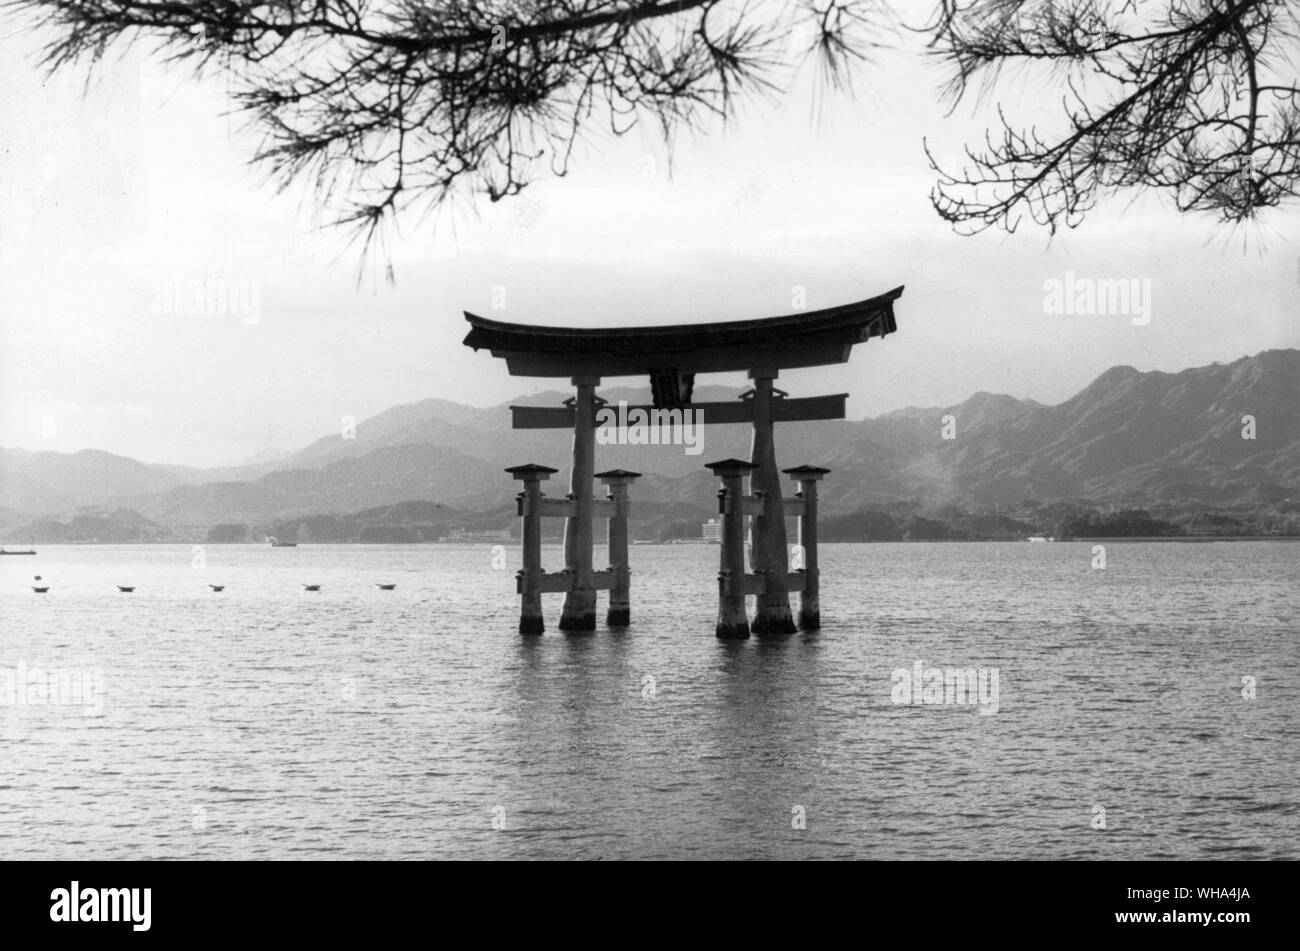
[[108, 197]]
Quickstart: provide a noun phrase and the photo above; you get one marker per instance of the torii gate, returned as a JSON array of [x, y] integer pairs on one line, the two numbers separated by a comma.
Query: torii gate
[[672, 356]]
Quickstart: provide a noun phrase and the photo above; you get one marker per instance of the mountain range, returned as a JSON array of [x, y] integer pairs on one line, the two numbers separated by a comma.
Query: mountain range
[[1130, 438]]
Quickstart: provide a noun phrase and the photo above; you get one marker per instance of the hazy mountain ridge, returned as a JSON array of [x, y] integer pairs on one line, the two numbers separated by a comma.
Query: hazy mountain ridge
[[1129, 437], [50, 482]]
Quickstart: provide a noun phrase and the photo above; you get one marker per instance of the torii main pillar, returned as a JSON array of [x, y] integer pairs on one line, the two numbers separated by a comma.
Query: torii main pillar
[[580, 600], [770, 552]]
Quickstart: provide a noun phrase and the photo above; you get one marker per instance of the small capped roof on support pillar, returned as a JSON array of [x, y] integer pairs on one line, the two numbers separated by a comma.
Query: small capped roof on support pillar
[[531, 468], [815, 472], [730, 464], [617, 474], [809, 339]]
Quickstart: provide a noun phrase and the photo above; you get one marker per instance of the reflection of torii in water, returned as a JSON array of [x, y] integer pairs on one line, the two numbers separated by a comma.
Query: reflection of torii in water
[[671, 356]]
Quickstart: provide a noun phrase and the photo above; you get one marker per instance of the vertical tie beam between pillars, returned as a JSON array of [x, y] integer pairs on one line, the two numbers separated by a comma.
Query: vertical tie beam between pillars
[[530, 576], [620, 599], [807, 477], [770, 556], [733, 623], [579, 612]]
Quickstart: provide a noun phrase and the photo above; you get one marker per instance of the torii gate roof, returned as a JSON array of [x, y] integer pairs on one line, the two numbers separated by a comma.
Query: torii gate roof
[[809, 339]]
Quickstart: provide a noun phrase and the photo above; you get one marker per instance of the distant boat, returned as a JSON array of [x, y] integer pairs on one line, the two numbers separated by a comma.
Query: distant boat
[[126, 588], [1041, 538], [276, 543], [40, 589], [312, 587], [385, 587], [217, 587], [6, 551]]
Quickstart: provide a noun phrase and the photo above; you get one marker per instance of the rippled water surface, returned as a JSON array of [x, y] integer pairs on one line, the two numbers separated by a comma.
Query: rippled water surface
[[266, 721]]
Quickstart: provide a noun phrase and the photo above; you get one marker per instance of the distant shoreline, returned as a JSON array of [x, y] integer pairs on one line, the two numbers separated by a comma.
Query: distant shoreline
[[1186, 538], [862, 541]]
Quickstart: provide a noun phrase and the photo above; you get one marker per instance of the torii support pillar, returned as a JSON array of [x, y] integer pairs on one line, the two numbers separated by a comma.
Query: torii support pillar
[[579, 612], [807, 477], [733, 623], [620, 598], [530, 576], [770, 556]]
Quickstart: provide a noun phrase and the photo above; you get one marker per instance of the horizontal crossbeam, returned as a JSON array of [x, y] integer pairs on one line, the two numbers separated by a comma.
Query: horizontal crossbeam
[[790, 410], [754, 506], [757, 584], [559, 581], [804, 339], [567, 508]]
